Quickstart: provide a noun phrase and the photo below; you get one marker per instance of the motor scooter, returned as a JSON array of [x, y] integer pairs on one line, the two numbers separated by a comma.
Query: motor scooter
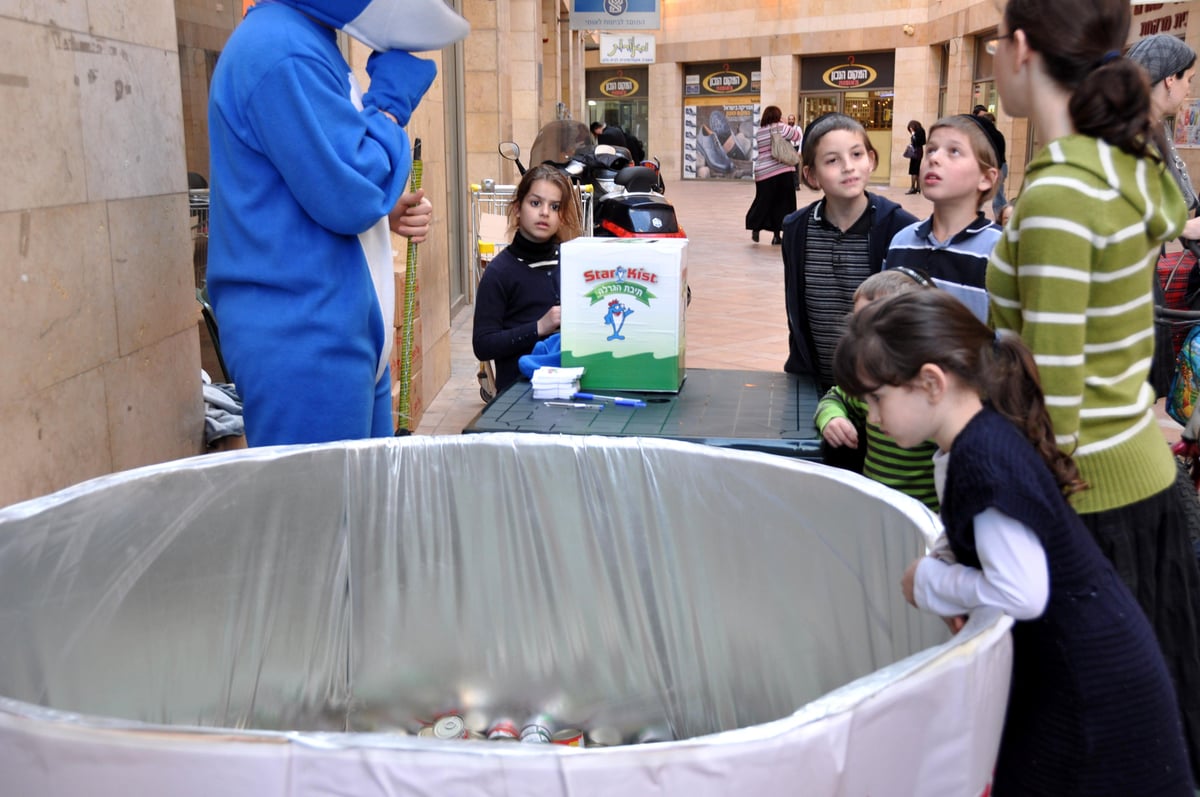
[[629, 199]]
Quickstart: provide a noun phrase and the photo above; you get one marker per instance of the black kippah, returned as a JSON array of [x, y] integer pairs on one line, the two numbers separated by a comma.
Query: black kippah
[[989, 131]]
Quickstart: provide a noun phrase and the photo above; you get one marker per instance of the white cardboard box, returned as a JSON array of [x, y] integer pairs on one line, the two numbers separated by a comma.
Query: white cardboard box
[[623, 303]]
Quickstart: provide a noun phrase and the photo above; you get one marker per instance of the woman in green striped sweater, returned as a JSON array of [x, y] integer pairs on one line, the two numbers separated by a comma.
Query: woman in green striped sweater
[[1073, 275]]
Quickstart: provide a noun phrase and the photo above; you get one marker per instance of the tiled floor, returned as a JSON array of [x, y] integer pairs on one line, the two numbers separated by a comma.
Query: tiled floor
[[736, 318]]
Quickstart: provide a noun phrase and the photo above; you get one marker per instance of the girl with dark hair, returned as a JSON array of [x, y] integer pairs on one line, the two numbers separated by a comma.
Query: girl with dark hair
[[517, 303], [1073, 276], [774, 182], [916, 141], [1091, 710]]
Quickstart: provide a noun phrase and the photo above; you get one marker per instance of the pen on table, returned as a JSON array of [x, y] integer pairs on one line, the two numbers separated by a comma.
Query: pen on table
[[624, 402], [578, 405]]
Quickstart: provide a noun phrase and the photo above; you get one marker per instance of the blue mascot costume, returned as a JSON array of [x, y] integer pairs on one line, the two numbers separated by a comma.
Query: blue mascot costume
[[306, 169]]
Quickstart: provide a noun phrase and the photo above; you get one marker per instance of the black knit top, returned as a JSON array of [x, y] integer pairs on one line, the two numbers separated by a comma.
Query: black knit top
[[1091, 710], [516, 290]]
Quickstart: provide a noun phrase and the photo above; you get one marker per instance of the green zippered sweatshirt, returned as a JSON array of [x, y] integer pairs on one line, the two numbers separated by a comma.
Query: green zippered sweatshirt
[[1072, 275]]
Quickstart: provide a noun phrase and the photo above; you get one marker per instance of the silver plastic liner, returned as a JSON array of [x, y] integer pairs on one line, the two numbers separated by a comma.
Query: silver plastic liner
[[278, 621]]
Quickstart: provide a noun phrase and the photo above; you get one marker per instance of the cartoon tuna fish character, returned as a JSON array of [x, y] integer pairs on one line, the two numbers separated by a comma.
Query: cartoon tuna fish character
[[617, 311]]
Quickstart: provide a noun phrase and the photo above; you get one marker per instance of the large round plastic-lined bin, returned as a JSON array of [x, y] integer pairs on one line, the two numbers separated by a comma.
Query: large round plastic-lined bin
[[263, 623]]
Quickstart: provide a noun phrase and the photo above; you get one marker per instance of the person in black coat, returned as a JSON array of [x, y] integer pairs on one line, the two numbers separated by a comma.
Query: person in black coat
[[608, 134], [916, 141]]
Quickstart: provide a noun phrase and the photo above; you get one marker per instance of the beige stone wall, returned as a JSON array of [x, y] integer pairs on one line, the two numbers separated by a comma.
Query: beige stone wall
[[101, 355]]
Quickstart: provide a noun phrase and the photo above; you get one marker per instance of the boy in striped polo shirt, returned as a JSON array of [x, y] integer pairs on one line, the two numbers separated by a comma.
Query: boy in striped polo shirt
[[959, 174], [842, 418]]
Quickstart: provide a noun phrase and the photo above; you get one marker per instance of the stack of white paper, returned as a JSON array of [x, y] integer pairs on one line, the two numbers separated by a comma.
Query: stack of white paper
[[551, 382]]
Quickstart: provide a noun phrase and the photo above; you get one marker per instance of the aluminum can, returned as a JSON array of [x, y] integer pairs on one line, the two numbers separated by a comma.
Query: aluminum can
[[476, 720], [426, 731], [604, 736], [568, 737], [450, 727], [537, 729], [654, 733], [504, 728], [476, 736], [535, 734]]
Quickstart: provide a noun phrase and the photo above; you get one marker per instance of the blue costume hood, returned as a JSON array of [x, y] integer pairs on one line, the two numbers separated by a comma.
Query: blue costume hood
[[410, 25]]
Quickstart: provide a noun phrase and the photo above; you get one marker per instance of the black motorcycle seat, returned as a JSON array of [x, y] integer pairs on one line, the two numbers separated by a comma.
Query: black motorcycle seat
[[637, 178]]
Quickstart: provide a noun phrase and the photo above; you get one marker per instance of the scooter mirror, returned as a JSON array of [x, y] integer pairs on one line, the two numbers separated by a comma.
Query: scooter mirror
[[509, 150]]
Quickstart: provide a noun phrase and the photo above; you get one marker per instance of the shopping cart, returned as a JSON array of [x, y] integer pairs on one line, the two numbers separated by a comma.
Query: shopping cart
[[198, 211], [489, 235]]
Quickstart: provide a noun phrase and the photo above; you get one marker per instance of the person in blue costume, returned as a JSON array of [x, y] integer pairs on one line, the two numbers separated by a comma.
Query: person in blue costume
[[1091, 708], [308, 176]]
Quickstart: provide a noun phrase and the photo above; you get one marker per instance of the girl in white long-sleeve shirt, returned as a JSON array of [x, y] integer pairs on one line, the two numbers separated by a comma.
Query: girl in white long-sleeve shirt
[[1091, 710]]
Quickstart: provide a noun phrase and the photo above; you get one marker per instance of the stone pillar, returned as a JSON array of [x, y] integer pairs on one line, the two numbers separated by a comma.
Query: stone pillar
[[101, 353]]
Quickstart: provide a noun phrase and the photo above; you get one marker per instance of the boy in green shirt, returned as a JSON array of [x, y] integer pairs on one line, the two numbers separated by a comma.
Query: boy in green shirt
[[842, 418]]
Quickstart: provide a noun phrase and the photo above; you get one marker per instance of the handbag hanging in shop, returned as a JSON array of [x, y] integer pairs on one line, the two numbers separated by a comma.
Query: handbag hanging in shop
[[782, 149]]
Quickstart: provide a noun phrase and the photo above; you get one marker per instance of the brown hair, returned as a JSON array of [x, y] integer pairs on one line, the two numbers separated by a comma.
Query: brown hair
[[770, 115], [888, 341], [816, 130], [570, 214], [981, 146], [1080, 42]]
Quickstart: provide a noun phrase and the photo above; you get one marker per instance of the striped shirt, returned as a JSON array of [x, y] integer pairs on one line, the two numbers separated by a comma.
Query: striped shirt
[[836, 263], [765, 165], [909, 470], [958, 265], [1072, 275]]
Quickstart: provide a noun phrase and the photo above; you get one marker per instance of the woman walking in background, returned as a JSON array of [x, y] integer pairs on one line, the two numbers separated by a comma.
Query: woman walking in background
[[1073, 276], [914, 153], [774, 184]]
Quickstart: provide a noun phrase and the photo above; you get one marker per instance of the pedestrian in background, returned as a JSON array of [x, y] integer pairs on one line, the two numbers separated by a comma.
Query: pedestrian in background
[[791, 120], [774, 187], [914, 153], [608, 134]]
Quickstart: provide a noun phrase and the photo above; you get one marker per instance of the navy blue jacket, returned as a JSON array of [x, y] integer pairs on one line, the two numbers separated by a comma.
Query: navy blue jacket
[[887, 219]]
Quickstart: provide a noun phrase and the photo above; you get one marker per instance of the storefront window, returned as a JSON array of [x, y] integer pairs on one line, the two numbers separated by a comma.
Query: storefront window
[[619, 97], [858, 85], [871, 108], [632, 116], [815, 105], [984, 89], [943, 78]]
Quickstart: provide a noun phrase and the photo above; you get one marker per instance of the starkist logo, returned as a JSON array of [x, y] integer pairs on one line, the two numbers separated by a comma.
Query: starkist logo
[[631, 282], [620, 274]]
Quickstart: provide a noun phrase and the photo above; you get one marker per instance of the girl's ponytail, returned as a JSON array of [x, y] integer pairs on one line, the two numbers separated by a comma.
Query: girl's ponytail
[[1009, 379], [1113, 103]]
